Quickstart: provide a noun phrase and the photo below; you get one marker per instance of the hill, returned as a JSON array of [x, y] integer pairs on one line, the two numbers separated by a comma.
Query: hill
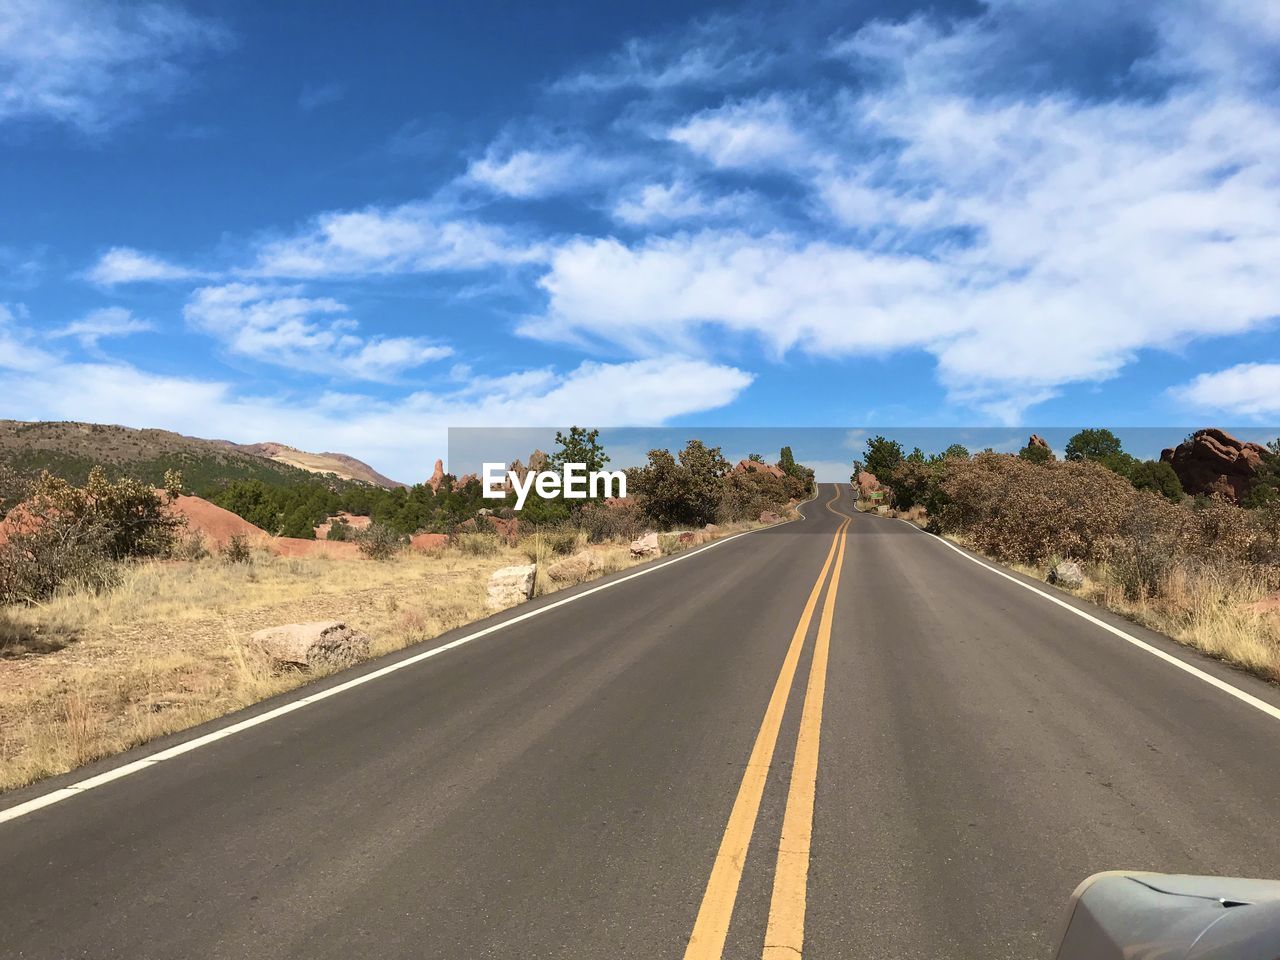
[[70, 449], [339, 464]]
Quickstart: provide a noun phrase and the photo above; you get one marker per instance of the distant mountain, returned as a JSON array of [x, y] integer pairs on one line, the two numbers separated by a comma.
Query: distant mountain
[[344, 466], [69, 449]]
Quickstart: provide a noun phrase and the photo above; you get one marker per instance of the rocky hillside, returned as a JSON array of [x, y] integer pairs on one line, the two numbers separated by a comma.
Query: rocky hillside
[[71, 449], [339, 464]]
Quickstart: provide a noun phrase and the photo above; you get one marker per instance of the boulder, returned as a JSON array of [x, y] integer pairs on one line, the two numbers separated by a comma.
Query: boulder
[[869, 488], [646, 546], [756, 466], [711, 528], [686, 536], [510, 585], [309, 645], [1066, 573], [583, 565], [1212, 461], [768, 516]]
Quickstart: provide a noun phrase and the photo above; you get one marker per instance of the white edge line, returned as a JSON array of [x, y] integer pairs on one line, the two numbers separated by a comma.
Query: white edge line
[[80, 786], [1258, 704]]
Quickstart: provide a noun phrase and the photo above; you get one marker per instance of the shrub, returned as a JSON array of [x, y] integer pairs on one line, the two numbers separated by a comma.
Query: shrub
[[340, 531], [1158, 477], [562, 540], [686, 492], [190, 546], [745, 496], [380, 542], [612, 520], [36, 565], [72, 536], [477, 544], [14, 488], [236, 550]]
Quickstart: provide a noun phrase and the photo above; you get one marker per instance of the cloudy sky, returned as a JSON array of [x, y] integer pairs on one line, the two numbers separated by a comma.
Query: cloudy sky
[[348, 227]]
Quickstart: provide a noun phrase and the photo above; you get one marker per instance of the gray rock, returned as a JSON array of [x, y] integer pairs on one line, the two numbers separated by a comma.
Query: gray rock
[[1066, 573], [510, 585], [320, 643]]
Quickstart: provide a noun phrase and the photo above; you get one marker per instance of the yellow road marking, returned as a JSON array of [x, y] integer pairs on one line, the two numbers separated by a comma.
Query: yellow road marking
[[784, 937], [712, 925]]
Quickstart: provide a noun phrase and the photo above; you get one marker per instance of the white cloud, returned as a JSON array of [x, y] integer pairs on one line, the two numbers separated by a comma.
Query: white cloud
[[410, 238], [1025, 240], [104, 322], [401, 437], [93, 64], [16, 351], [659, 203], [126, 265], [530, 174], [1247, 389], [749, 134], [714, 55], [277, 325]]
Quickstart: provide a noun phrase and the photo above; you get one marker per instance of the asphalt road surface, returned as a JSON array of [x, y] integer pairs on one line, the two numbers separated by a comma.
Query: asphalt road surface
[[837, 737]]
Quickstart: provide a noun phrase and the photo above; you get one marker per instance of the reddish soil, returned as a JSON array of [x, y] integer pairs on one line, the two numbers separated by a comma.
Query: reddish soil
[[217, 525], [428, 541]]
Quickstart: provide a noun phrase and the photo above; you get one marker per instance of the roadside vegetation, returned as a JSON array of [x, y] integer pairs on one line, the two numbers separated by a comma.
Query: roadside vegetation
[[1201, 569], [119, 623]]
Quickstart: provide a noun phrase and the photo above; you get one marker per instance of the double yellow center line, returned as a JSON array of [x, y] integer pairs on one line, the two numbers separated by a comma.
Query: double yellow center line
[[785, 934]]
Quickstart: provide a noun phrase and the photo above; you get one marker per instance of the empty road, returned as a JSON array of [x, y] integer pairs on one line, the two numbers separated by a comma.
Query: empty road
[[838, 737]]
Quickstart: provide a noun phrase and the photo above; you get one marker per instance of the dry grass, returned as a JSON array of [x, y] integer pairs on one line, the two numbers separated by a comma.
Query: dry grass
[[1200, 607], [87, 675]]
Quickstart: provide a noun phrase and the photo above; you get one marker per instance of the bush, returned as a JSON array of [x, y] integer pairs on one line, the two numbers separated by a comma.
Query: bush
[[190, 546], [562, 540], [477, 544], [69, 536], [1158, 477], [236, 550], [380, 542], [34, 566], [615, 520], [340, 531], [745, 496]]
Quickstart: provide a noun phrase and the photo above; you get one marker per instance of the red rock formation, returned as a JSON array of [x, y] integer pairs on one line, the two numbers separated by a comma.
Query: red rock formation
[[437, 476], [1213, 461], [755, 466], [868, 484], [1036, 440]]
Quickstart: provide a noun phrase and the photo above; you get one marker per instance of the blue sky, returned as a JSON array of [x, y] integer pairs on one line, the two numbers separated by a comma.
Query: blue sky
[[350, 230]]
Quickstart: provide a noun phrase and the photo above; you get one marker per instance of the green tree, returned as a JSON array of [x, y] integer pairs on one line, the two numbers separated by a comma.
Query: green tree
[[755, 457], [298, 524], [1036, 453], [1094, 444], [882, 456], [957, 451], [1157, 476], [580, 445]]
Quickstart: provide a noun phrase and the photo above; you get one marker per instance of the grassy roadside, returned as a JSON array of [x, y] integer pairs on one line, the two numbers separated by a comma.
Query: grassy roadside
[[1213, 611], [87, 675]]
